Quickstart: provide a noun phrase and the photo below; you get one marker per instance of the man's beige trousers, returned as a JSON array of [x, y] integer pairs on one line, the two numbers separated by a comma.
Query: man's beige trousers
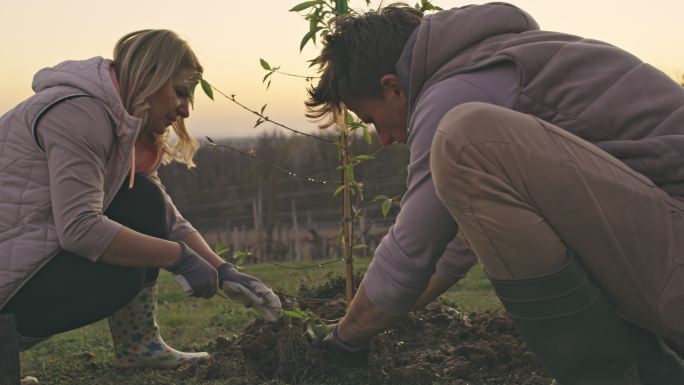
[[523, 191]]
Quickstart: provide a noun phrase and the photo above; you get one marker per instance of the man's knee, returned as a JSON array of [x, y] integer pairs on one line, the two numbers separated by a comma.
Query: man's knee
[[468, 119], [464, 125], [477, 122]]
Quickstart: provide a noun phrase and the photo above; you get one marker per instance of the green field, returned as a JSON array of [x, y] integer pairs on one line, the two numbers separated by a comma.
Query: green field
[[85, 356]]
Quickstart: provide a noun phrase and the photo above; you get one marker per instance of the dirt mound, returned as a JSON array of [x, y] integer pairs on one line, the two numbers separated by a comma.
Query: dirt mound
[[435, 345]]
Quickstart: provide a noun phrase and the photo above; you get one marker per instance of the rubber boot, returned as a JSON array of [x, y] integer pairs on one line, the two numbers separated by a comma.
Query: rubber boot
[[136, 337], [656, 362], [25, 343], [571, 326]]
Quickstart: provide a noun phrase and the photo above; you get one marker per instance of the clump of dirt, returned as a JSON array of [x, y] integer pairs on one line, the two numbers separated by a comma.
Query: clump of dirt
[[436, 345]]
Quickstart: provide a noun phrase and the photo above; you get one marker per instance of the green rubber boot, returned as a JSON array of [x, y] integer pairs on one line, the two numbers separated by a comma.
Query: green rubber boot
[[656, 362], [571, 326], [136, 337]]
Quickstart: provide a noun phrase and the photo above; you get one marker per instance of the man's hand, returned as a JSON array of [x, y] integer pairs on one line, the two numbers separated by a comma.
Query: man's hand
[[249, 291], [333, 339], [195, 275], [327, 338]]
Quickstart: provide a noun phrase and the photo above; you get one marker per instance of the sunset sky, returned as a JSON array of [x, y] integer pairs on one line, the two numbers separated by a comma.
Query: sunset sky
[[230, 36]]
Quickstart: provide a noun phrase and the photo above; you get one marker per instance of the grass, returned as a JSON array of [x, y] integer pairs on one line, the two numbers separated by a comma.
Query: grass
[[84, 356]]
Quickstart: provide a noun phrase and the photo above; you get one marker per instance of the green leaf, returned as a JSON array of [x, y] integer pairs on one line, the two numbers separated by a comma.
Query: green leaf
[[338, 190], [350, 172], [211, 141], [258, 122], [361, 158], [268, 75], [385, 207], [309, 35], [302, 6], [265, 65], [219, 248], [263, 108], [367, 135], [357, 212], [206, 87], [240, 257], [380, 197], [350, 118], [360, 246], [292, 314]]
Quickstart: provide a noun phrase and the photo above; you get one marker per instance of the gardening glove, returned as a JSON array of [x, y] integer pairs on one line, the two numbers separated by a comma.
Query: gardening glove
[[195, 275], [332, 340], [328, 340], [250, 291]]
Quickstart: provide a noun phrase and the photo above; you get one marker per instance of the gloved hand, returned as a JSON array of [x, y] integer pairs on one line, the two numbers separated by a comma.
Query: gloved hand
[[250, 291], [195, 275], [332, 340], [328, 339]]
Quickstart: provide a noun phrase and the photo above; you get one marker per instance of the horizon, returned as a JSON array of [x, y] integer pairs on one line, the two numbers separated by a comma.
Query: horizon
[[213, 27]]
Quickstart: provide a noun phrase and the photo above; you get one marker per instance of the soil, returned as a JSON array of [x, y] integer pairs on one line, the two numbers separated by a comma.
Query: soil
[[437, 345]]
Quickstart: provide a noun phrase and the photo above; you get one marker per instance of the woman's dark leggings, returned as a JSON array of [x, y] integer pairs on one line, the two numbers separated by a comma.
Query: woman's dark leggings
[[71, 291]]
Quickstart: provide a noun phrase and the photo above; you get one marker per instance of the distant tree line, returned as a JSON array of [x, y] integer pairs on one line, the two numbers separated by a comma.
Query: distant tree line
[[245, 203]]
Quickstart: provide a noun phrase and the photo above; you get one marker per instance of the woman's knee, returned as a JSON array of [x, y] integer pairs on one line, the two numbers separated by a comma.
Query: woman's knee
[[142, 208], [129, 284]]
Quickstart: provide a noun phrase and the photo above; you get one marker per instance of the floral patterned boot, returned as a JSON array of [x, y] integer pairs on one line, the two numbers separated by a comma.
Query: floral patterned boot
[[136, 337]]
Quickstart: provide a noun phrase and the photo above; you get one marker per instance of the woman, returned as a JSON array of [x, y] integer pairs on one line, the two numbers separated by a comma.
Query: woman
[[86, 223]]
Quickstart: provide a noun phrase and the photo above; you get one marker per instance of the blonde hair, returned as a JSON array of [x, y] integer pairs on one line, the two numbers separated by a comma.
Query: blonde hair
[[144, 61]]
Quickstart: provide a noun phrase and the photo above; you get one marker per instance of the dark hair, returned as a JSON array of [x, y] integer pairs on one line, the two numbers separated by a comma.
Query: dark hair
[[354, 58]]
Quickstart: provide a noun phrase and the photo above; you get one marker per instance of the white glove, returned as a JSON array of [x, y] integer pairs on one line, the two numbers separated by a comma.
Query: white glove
[[250, 291]]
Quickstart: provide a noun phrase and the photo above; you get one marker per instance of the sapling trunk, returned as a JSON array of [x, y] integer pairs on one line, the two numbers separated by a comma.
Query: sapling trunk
[[347, 230]]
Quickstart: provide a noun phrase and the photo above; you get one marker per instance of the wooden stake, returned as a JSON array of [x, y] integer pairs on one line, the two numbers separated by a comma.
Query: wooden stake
[[295, 228]]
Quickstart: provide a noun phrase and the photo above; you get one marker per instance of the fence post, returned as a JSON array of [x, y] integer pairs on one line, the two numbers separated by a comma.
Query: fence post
[[10, 369], [295, 228]]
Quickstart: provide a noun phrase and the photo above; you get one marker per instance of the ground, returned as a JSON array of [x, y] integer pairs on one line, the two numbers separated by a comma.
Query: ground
[[464, 339], [438, 345]]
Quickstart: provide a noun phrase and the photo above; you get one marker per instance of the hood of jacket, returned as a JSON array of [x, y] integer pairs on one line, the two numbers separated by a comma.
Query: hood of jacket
[[90, 77], [462, 28]]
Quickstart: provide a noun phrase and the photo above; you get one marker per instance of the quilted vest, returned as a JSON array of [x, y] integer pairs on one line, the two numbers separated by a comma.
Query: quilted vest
[[590, 88], [28, 239]]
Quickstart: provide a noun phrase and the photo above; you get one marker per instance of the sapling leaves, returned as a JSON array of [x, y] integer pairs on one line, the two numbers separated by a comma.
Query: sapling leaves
[[238, 258], [426, 5], [220, 249], [311, 35], [302, 6], [360, 246], [315, 329], [367, 135], [386, 204], [206, 87], [339, 190], [265, 65]]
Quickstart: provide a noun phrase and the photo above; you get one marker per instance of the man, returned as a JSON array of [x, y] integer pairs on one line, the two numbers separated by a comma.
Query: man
[[557, 160]]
